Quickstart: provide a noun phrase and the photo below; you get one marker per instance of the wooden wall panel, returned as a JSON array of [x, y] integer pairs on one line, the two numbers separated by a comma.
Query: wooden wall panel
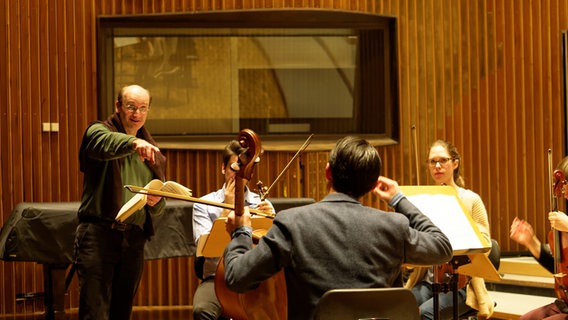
[[484, 74]]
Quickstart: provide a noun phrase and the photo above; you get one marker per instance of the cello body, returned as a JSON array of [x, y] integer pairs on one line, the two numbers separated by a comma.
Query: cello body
[[269, 300]]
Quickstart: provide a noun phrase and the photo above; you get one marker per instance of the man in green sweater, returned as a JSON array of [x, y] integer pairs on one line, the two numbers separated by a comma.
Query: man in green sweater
[[109, 255]]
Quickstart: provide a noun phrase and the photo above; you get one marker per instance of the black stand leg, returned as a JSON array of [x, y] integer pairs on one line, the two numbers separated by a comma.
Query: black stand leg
[[438, 287], [436, 290], [454, 284], [456, 262], [54, 286]]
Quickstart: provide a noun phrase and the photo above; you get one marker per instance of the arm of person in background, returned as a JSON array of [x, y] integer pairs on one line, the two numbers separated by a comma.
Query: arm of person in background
[[104, 144], [523, 233]]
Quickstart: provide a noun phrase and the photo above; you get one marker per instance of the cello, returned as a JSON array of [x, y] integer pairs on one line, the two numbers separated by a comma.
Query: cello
[[269, 300], [558, 240]]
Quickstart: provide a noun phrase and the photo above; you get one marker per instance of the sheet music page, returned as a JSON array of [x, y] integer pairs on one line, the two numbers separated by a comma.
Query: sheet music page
[[447, 214]]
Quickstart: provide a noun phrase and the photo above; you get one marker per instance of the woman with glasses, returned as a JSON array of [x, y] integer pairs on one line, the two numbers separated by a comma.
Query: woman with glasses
[[444, 166]]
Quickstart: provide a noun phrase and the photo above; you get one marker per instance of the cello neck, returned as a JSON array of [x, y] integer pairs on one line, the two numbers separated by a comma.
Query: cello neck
[[239, 196]]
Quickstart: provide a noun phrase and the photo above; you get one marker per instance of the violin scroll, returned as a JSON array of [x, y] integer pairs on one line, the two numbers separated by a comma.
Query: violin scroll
[[559, 182]]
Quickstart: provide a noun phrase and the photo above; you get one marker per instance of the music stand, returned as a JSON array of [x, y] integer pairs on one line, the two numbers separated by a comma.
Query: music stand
[[444, 208]]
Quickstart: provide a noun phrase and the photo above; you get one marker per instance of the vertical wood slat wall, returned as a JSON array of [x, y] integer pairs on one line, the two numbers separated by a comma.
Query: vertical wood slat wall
[[486, 75]]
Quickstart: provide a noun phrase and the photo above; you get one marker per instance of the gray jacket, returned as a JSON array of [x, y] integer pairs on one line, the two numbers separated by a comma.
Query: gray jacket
[[335, 243]]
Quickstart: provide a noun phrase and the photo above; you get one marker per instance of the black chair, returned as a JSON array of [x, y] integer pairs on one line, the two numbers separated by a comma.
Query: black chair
[[376, 303], [495, 254]]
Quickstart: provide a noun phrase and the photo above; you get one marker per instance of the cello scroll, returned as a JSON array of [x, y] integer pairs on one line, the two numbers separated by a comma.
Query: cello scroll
[[245, 164]]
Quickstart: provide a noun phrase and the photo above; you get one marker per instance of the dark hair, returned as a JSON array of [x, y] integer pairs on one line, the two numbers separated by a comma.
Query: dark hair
[[232, 148], [454, 155], [355, 166]]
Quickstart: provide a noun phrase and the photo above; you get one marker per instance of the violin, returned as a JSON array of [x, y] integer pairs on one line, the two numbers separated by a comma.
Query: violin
[[558, 240], [269, 300]]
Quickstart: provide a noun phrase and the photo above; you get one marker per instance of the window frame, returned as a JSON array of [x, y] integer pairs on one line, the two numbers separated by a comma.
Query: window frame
[[260, 19]]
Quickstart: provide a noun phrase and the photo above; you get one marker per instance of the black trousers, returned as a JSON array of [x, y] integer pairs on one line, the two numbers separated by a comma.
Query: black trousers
[[205, 303], [109, 265]]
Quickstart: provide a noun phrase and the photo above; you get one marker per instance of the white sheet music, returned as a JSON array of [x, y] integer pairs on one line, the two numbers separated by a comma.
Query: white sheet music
[[447, 214]]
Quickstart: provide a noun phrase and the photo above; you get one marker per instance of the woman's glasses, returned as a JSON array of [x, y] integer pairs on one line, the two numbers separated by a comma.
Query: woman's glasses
[[441, 161]]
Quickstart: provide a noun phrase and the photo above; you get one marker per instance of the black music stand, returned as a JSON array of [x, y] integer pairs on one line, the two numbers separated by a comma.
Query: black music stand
[[444, 287]]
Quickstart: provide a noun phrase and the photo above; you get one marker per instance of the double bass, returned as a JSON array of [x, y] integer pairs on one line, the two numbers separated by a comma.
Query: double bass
[[558, 240], [269, 300]]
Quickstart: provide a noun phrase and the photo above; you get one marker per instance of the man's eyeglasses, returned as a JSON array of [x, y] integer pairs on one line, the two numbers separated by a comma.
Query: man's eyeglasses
[[441, 161], [131, 108]]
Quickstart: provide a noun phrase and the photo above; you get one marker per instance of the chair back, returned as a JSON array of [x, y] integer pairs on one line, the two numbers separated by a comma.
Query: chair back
[[376, 303], [495, 254]]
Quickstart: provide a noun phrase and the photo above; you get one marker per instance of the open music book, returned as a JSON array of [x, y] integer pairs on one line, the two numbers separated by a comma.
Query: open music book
[[445, 209], [139, 200], [442, 205]]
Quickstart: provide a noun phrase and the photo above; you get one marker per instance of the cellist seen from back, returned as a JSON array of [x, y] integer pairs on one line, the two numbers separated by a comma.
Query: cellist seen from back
[[336, 242], [523, 233]]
